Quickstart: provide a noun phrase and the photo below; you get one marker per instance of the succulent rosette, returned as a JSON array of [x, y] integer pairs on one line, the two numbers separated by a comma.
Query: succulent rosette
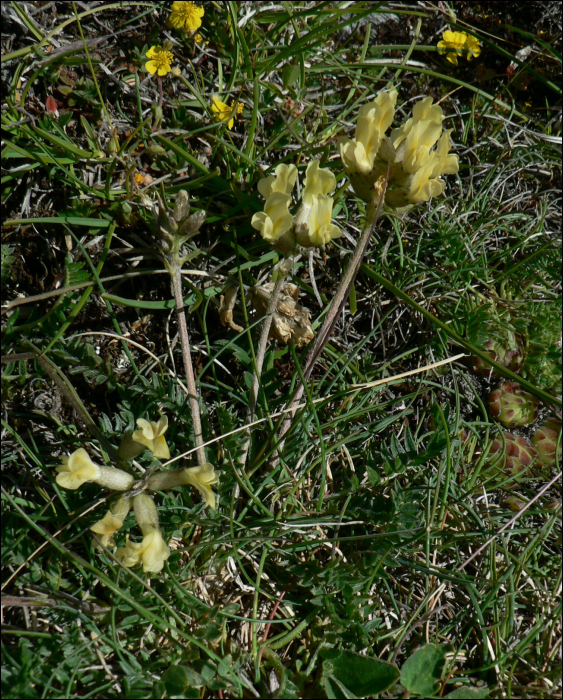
[[510, 455], [547, 442], [508, 355], [512, 406]]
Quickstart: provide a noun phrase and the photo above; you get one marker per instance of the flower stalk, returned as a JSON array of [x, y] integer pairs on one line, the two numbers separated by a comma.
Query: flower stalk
[[373, 212], [172, 231]]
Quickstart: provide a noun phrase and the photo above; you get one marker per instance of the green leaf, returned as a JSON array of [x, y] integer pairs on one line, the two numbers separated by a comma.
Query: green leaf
[[177, 682], [70, 220], [7, 260], [422, 671], [353, 675], [151, 305], [290, 74]]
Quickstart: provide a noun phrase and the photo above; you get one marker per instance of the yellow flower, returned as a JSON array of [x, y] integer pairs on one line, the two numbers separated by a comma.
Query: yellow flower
[[112, 521], [160, 62], [283, 181], [76, 470], [310, 226], [319, 230], [455, 44], [202, 478], [224, 112], [150, 435], [106, 527], [275, 220], [152, 552], [186, 14], [200, 40], [417, 153]]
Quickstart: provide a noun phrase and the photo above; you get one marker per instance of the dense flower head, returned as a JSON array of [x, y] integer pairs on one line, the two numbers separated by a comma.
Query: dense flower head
[[416, 154], [186, 15], [150, 435], [160, 61], [311, 225], [455, 44], [291, 322], [225, 113]]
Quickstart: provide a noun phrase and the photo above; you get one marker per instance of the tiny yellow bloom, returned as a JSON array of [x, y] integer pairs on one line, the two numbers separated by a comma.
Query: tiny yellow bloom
[[473, 47], [320, 230], [152, 552], [224, 112], [106, 527], [198, 38], [76, 470], [160, 61], [186, 15], [275, 220], [202, 478], [456, 44], [112, 521], [150, 435]]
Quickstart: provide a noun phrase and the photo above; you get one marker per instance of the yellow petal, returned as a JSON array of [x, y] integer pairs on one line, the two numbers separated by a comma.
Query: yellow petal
[[283, 181], [317, 181], [154, 552], [106, 527]]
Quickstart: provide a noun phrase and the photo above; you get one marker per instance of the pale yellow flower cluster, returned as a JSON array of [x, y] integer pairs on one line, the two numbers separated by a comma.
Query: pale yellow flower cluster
[[416, 154], [311, 226], [78, 469]]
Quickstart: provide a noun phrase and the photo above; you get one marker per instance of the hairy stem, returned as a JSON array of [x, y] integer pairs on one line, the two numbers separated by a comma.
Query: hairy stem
[[175, 272], [372, 214]]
